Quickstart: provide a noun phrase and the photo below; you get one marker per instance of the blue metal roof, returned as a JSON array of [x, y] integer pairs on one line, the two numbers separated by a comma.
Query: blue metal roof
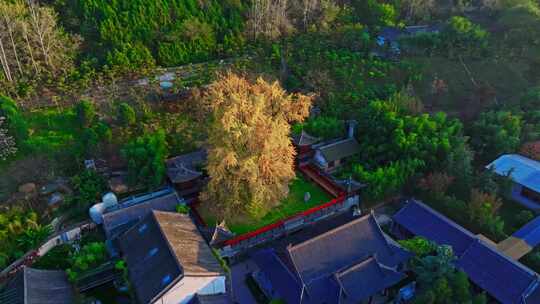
[[522, 170], [343, 246], [530, 233], [316, 261], [503, 278], [423, 221], [282, 280], [366, 278], [506, 280]]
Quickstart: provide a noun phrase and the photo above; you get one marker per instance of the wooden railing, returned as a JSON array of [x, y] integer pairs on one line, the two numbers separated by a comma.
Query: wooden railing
[[326, 183]]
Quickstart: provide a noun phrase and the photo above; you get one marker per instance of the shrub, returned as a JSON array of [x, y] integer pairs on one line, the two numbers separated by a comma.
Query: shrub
[[20, 231], [531, 150], [326, 127], [495, 133], [15, 122], [88, 185], [436, 183], [126, 115], [89, 257], [86, 113], [183, 209], [7, 143], [523, 217], [146, 159], [56, 258], [420, 246]]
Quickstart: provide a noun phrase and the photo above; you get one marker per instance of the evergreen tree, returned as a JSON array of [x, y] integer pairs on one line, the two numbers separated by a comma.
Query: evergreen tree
[[146, 159]]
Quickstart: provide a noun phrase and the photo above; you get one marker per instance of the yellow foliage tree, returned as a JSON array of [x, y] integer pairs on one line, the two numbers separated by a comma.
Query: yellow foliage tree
[[251, 157]]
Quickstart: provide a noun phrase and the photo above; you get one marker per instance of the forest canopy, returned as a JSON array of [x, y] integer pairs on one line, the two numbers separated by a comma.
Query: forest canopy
[[138, 33]]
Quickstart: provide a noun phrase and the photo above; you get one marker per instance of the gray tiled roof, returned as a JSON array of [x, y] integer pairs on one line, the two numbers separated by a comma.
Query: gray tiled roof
[[184, 167], [342, 247], [148, 259], [163, 248], [332, 262], [366, 278], [120, 220], [422, 220], [187, 244], [340, 150], [304, 139], [35, 286]]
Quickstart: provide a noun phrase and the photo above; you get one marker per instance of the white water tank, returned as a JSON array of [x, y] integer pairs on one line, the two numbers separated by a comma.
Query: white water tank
[[96, 213], [109, 200]]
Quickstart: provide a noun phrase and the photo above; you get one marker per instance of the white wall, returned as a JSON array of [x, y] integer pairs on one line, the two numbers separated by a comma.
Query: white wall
[[184, 290]]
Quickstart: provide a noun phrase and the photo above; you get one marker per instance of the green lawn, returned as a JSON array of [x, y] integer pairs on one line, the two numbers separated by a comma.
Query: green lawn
[[291, 205]]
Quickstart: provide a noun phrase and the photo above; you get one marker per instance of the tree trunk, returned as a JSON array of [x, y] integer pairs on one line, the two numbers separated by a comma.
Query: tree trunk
[[30, 52], [39, 32], [13, 46], [4, 61]]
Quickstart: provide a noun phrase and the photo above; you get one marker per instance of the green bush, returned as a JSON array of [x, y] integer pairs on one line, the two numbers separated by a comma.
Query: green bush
[[126, 115], [183, 209], [523, 217], [89, 257], [20, 231], [495, 133], [420, 246], [462, 37], [132, 35], [56, 258], [146, 159], [326, 127], [16, 123], [128, 57], [86, 113], [89, 186]]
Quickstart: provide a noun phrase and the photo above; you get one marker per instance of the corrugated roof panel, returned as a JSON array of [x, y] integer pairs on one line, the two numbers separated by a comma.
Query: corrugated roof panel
[[283, 281], [423, 221], [530, 233], [522, 170], [501, 277]]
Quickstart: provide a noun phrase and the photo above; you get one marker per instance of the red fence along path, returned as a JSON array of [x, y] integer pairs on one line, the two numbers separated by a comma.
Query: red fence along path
[[280, 223], [340, 203]]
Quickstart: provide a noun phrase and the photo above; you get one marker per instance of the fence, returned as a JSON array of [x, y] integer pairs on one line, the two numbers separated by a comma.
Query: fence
[[280, 228]]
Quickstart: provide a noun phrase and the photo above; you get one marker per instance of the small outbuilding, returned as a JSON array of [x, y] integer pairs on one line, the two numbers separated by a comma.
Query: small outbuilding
[[185, 171], [329, 156], [525, 174]]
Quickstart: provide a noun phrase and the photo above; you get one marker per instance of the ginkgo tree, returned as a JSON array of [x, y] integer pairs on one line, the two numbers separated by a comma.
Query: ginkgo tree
[[251, 157]]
